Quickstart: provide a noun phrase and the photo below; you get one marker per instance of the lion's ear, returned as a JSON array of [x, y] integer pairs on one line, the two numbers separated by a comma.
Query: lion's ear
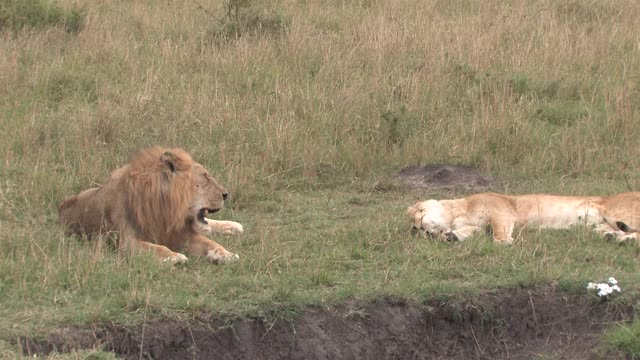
[[170, 160], [622, 226], [411, 211], [176, 162]]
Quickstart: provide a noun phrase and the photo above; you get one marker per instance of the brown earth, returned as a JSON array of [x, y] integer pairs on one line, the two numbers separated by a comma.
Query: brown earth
[[448, 177], [504, 324]]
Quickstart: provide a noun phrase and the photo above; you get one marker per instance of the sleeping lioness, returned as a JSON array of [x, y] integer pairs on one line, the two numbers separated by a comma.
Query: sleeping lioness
[[617, 217]]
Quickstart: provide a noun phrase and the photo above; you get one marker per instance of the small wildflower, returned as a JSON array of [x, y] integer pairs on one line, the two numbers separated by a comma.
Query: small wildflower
[[605, 289]]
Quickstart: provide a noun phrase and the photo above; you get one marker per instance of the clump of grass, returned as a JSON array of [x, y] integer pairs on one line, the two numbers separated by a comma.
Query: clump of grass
[[397, 125], [244, 19], [524, 86], [63, 85], [561, 112], [464, 72], [584, 12], [255, 23], [626, 339], [18, 14]]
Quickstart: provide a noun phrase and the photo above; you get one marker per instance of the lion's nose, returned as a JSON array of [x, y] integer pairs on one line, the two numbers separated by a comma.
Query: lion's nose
[[225, 196]]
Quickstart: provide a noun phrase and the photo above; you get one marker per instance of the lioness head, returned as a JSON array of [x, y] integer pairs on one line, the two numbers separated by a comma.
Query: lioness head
[[416, 217], [429, 216], [208, 194]]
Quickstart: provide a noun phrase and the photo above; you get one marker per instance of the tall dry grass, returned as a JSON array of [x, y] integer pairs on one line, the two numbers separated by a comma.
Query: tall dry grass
[[347, 89]]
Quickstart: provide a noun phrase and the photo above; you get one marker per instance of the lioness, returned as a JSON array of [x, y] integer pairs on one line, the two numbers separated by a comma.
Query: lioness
[[617, 217], [157, 202]]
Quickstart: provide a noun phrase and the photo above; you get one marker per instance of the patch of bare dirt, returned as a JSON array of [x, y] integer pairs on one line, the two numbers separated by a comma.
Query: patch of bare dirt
[[504, 324], [448, 177]]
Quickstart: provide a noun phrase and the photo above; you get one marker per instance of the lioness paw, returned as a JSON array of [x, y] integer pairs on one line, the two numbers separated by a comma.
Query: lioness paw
[[620, 236], [609, 236], [222, 256], [176, 258], [451, 236], [508, 241], [225, 227]]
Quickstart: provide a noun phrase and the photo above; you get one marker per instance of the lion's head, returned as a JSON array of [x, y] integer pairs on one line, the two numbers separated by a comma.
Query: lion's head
[[209, 195], [430, 216], [167, 191]]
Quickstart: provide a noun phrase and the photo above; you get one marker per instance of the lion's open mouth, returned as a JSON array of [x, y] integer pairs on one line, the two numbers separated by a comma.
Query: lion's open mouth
[[202, 213]]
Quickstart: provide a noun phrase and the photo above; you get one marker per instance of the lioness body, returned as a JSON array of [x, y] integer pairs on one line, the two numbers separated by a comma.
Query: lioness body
[[156, 202], [614, 216]]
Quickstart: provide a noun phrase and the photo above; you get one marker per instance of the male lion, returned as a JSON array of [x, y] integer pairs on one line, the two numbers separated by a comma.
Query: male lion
[[157, 202], [617, 217]]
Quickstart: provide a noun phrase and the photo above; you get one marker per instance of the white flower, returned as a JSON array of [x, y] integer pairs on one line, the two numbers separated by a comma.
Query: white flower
[[605, 289], [602, 286]]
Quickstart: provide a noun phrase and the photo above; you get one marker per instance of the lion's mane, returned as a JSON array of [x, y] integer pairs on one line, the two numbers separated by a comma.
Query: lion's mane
[[158, 194]]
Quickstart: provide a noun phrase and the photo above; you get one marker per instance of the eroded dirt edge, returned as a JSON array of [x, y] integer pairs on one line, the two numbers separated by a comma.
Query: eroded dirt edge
[[509, 323]]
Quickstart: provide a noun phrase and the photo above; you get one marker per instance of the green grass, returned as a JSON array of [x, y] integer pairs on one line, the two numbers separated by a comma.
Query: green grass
[[304, 110], [625, 339], [19, 14], [319, 247], [8, 351]]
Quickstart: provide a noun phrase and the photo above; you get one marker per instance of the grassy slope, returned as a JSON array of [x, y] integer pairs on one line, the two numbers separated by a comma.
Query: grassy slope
[[300, 125]]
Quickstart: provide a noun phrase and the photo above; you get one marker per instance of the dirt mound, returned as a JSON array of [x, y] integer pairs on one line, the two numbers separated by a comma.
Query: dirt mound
[[505, 324], [448, 177]]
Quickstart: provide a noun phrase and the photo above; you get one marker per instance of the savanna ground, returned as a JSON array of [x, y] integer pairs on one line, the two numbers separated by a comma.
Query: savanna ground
[[305, 110]]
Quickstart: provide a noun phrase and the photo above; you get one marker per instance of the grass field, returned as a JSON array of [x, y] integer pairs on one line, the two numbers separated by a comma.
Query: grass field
[[305, 109]]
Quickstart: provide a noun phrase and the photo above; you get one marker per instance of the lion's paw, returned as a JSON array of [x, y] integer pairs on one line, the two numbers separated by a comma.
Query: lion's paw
[[232, 228], [176, 258], [222, 256], [619, 237], [225, 227], [610, 237]]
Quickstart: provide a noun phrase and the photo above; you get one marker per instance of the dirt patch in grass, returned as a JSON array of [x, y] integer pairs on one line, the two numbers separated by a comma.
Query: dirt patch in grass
[[448, 177], [505, 324]]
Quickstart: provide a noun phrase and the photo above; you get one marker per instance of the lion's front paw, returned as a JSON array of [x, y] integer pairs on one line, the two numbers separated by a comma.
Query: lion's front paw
[[176, 258], [225, 227], [232, 228], [222, 256]]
